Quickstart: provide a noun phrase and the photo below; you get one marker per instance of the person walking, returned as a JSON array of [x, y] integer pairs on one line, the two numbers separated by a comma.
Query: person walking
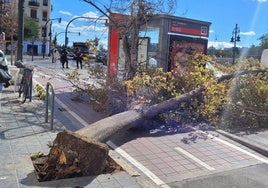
[[63, 58], [78, 58], [55, 55]]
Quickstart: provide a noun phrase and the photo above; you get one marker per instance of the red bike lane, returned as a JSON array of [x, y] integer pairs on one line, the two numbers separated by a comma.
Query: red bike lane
[[161, 154]]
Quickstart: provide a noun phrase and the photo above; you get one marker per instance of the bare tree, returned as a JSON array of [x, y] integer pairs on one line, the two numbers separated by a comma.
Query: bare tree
[[9, 19], [138, 13]]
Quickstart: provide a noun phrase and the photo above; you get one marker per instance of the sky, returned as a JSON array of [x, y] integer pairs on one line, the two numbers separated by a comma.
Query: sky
[[251, 17]]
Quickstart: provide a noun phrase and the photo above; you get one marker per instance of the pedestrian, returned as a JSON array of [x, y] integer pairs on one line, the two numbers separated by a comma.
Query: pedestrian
[[63, 58], [4, 72], [55, 55], [78, 58]]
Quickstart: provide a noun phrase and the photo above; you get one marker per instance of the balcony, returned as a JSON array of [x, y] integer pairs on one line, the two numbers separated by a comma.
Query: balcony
[[34, 3]]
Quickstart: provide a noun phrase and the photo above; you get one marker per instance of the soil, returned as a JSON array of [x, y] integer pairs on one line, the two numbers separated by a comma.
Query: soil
[[39, 162]]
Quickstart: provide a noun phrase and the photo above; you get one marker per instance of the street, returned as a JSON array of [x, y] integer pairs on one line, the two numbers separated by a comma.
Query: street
[[171, 157]]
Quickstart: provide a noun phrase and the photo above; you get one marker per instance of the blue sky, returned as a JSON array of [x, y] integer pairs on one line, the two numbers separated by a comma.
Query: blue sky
[[250, 15]]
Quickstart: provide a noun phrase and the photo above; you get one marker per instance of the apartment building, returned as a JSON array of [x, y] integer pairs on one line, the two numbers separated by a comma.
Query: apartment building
[[40, 10]]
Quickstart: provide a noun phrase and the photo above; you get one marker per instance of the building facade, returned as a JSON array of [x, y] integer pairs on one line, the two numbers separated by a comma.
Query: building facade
[[39, 10]]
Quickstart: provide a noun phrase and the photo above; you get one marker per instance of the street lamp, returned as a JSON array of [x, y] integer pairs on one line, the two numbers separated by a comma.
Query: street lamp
[[57, 34], [45, 34], [32, 48], [235, 38], [66, 29]]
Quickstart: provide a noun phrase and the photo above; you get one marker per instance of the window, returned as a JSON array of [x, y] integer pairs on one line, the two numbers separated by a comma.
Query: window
[[44, 16], [45, 2], [33, 14], [152, 33]]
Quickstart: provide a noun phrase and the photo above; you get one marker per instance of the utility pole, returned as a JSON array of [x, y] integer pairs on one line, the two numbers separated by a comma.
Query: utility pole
[[20, 29], [235, 38], [45, 35]]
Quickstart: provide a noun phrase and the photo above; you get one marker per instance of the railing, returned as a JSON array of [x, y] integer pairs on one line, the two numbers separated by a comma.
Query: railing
[[50, 95]]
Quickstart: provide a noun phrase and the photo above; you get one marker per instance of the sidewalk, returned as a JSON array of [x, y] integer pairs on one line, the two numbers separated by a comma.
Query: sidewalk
[[160, 154], [23, 133]]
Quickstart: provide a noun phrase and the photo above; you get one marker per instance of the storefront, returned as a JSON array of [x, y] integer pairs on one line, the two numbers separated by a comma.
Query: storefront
[[165, 41]]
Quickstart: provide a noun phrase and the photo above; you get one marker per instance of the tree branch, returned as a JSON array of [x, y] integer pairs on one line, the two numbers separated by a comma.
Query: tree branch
[[240, 73]]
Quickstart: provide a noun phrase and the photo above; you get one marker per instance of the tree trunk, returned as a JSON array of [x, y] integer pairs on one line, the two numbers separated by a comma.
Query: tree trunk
[[102, 130], [84, 152]]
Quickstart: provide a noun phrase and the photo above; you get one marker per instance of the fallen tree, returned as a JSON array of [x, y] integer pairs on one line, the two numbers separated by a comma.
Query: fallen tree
[[102, 130], [84, 153]]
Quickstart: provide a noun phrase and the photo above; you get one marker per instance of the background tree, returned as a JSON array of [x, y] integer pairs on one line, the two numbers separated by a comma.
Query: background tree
[[254, 51], [263, 43], [9, 20], [138, 13], [92, 44], [31, 28], [10, 24]]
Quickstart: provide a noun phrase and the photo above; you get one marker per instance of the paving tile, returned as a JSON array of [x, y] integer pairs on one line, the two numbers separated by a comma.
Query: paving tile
[[25, 133]]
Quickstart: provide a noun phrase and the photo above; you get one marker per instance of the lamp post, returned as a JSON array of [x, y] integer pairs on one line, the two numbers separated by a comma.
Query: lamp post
[[57, 34], [66, 29], [45, 34], [235, 38], [32, 40]]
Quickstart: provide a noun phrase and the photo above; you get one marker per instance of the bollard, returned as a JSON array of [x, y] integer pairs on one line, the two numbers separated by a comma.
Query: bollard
[[50, 95]]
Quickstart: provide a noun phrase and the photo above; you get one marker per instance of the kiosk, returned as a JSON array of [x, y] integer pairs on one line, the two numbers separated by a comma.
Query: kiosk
[[164, 41]]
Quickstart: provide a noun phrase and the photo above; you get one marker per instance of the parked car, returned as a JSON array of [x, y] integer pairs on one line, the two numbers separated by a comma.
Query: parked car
[[3, 58], [70, 56], [88, 56], [91, 55], [102, 57]]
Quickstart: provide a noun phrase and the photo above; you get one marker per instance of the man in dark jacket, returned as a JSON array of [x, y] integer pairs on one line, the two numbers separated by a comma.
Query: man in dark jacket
[[63, 58], [78, 58]]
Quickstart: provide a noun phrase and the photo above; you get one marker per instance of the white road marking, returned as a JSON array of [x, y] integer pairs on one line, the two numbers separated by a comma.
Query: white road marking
[[239, 149], [184, 152], [235, 147], [137, 164]]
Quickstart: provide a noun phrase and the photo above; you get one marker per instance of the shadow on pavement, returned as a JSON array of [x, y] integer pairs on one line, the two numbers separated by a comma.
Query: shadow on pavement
[[32, 181]]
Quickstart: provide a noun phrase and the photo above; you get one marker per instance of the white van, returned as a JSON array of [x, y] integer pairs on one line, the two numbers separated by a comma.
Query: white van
[[264, 57]]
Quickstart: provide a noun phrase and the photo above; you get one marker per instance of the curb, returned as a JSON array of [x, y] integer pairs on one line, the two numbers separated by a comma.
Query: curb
[[246, 142]]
